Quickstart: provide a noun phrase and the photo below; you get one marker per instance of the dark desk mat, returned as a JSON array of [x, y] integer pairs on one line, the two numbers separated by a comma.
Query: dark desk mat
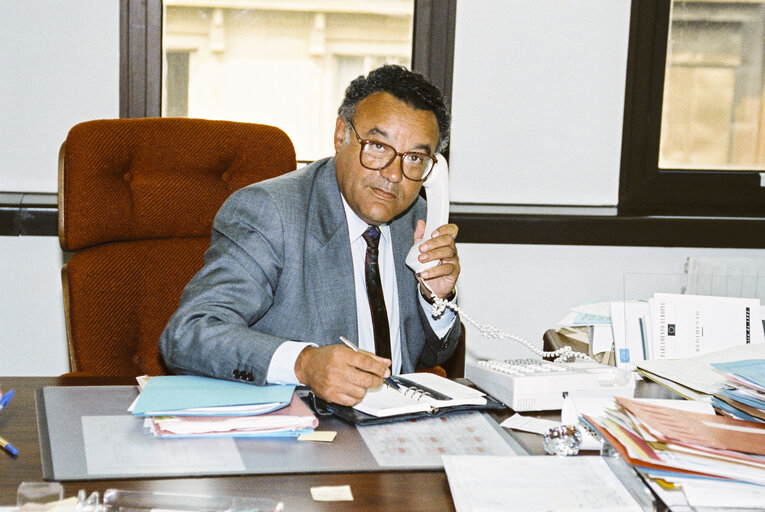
[[62, 413]]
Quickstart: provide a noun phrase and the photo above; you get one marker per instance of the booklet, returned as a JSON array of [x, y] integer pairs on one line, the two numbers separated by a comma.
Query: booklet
[[419, 394], [691, 325]]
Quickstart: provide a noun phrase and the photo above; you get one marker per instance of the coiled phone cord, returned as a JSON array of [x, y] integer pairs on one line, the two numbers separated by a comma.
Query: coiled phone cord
[[561, 355]]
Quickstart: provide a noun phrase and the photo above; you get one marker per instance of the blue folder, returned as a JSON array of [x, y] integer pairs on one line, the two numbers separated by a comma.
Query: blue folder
[[176, 393]]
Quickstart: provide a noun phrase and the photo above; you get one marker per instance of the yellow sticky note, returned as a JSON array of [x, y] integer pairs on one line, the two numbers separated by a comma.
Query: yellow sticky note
[[332, 493], [324, 436]]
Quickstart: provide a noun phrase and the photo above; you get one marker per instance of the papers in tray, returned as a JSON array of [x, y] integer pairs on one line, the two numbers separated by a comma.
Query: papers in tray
[[192, 406], [695, 377], [743, 394], [418, 392], [669, 444]]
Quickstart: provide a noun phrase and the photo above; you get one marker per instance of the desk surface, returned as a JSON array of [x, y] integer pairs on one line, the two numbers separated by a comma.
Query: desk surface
[[385, 490]]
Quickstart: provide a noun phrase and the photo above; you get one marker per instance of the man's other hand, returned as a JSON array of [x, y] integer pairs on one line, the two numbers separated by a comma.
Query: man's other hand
[[340, 375]]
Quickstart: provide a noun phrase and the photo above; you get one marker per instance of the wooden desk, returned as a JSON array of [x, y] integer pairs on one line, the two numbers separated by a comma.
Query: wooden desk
[[384, 490]]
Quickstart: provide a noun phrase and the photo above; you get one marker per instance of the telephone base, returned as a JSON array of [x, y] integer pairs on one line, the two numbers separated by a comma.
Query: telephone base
[[538, 385]]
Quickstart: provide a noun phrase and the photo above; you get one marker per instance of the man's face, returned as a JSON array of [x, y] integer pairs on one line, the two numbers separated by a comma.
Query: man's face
[[378, 196]]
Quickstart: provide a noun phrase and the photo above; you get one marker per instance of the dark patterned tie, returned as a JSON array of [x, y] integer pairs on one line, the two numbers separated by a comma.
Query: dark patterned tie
[[375, 293]]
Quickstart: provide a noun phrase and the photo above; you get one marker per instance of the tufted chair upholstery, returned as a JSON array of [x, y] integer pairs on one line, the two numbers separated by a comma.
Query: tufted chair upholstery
[[136, 201]]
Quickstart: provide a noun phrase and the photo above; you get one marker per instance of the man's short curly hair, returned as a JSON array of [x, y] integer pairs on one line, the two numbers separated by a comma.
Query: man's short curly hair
[[408, 86]]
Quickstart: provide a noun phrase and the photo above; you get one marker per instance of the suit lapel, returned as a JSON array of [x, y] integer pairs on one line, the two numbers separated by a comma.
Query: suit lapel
[[402, 234], [328, 256]]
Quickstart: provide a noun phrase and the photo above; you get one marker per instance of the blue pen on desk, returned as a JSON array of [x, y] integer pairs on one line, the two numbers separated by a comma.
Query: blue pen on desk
[[8, 447], [5, 399], [389, 380]]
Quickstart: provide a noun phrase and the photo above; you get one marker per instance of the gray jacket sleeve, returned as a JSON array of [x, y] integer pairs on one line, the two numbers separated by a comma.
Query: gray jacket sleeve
[[210, 332]]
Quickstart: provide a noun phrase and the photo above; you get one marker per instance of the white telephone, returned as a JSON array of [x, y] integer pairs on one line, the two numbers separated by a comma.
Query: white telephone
[[517, 388], [437, 191]]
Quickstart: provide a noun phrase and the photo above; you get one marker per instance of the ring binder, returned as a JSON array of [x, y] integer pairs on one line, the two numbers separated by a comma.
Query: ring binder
[[420, 395]]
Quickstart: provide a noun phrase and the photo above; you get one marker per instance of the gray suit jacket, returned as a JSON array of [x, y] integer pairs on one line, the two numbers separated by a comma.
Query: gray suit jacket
[[279, 268]]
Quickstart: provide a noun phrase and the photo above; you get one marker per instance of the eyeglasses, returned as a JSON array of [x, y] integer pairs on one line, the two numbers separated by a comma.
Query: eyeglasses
[[376, 156]]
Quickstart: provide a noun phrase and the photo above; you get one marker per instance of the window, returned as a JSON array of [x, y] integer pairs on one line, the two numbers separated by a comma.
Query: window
[[286, 64], [694, 130], [242, 55]]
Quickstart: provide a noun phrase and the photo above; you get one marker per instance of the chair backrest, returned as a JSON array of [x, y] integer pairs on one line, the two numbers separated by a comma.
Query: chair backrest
[[136, 202]]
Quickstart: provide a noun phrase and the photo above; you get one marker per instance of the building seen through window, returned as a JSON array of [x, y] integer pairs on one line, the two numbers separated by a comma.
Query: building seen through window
[[281, 63], [713, 113]]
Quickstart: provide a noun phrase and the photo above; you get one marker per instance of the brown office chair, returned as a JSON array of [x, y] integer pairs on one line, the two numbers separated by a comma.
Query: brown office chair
[[136, 201]]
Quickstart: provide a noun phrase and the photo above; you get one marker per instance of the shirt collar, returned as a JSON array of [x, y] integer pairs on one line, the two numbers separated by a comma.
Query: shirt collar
[[356, 226]]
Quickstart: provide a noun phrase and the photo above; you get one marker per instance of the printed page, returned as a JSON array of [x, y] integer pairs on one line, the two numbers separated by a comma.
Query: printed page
[[691, 325], [489, 484]]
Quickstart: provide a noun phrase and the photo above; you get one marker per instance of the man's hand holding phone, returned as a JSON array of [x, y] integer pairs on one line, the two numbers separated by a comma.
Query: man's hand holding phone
[[442, 247]]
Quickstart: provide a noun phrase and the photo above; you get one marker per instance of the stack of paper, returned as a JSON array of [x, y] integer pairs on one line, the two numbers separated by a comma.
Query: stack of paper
[[696, 378], [672, 445], [587, 328], [192, 406], [743, 394], [665, 326]]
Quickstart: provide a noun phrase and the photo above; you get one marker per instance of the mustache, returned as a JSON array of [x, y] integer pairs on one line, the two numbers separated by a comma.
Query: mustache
[[386, 186]]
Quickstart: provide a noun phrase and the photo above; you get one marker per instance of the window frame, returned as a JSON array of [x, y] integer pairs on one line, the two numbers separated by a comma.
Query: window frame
[[630, 224], [644, 188]]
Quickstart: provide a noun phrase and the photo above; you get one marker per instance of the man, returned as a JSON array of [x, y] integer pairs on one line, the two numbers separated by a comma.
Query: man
[[288, 270]]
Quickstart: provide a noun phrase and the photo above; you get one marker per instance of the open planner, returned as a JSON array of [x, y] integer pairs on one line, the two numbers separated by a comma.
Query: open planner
[[419, 395]]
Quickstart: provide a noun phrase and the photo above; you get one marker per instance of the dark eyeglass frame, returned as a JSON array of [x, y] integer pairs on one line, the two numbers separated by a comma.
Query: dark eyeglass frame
[[363, 143]]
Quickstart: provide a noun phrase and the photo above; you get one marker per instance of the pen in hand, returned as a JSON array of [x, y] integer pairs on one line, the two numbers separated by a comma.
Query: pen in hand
[[388, 380]]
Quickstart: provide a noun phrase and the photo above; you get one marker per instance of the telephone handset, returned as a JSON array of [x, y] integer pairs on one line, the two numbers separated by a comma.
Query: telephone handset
[[437, 192]]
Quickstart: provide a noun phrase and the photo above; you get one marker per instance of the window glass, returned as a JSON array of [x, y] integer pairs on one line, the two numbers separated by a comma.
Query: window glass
[[276, 62], [713, 113]]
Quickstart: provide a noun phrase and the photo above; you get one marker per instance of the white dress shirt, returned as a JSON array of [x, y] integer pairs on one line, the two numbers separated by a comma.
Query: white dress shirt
[[281, 370]]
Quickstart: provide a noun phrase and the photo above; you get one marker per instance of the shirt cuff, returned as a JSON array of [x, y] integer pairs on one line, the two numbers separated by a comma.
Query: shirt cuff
[[441, 325], [281, 369]]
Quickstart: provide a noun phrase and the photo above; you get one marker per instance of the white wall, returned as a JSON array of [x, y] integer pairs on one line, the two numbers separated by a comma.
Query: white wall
[[526, 289], [59, 65], [32, 330], [537, 101]]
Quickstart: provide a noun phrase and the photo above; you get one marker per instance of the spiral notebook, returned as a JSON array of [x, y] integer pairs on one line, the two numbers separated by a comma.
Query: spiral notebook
[[419, 394]]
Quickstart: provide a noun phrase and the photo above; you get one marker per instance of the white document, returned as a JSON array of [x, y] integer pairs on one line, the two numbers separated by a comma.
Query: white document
[[711, 493], [534, 483], [601, 338], [529, 424], [631, 330], [691, 325]]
